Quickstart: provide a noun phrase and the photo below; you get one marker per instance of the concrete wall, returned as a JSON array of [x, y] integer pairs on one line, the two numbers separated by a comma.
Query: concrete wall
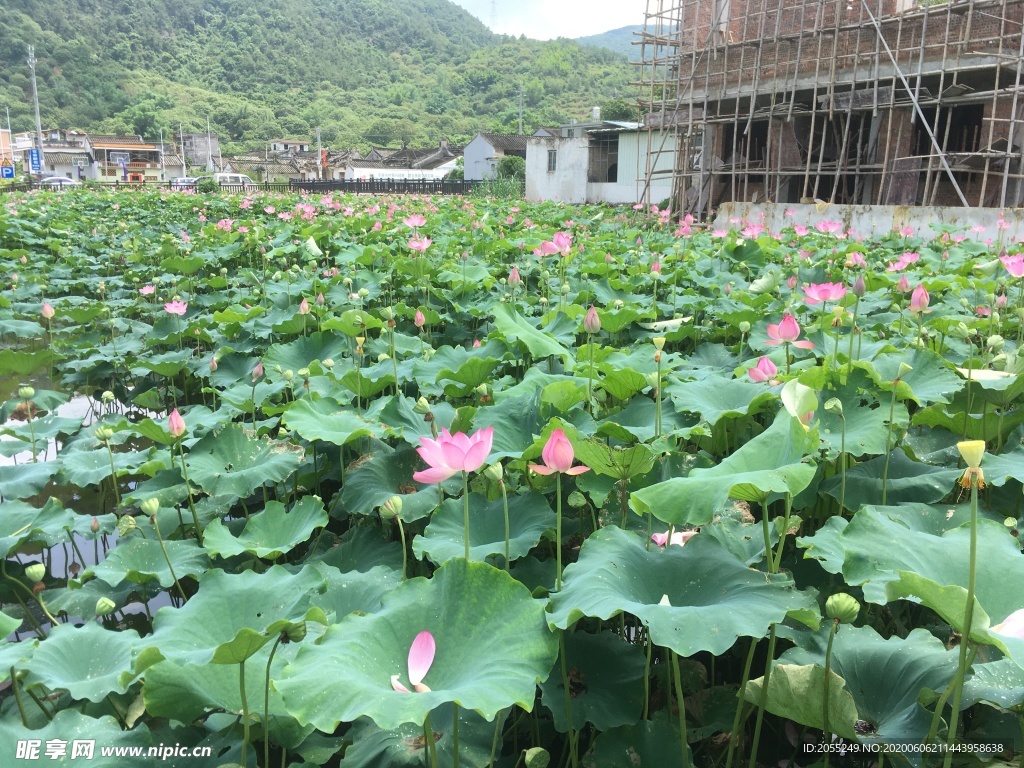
[[476, 156], [568, 182], [874, 221]]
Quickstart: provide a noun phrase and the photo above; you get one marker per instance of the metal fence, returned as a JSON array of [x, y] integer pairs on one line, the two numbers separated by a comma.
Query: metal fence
[[353, 186]]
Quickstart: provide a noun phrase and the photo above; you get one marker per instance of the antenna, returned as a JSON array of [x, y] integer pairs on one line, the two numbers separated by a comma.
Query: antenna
[[494, 14]]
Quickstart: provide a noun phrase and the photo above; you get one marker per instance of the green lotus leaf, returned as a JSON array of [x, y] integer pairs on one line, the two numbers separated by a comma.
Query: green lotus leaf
[[717, 398], [515, 420], [621, 384], [79, 600], [88, 662], [998, 682], [234, 462], [908, 481], [864, 419], [444, 538], [303, 351], [187, 692], [21, 523], [140, 560], [932, 379], [164, 365], [385, 474], [326, 419], [232, 616], [363, 548], [649, 743], [602, 693], [70, 726], [22, 362], [7, 625], [636, 422], [21, 481], [713, 598], [770, 463], [885, 677], [406, 744], [90, 466], [269, 533], [514, 327], [353, 590], [796, 693], [493, 647], [472, 373]]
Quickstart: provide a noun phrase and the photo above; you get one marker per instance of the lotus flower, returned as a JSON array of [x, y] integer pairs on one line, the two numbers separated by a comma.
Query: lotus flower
[[47, 311], [903, 285], [514, 280], [419, 320], [1014, 264], [147, 290], [818, 293], [765, 370], [420, 244], [416, 220], [303, 307], [592, 322], [1011, 626], [421, 658], [563, 242], [919, 299], [787, 332], [176, 307], [558, 456], [175, 424], [679, 538], [257, 372], [449, 454]]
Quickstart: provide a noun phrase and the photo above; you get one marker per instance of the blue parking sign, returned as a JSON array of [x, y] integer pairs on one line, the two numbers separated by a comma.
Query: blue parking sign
[[33, 160], [6, 171]]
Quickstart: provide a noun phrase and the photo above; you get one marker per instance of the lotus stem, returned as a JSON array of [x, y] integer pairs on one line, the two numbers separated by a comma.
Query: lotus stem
[[191, 502], [774, 568], [763, 700], [455, 707], [266, 702], [573, 757], [826, 734], [32, 432], [842, 466], [465, 509], [405, 555], [497, 734], [428, 736], [558, 532], [734, 734], [888, 441], [30, 593], [657, 400], [17, 698], [504, 502], [853, 332], [965, 636], [245, 711], [681, 704], [159, 538], [113, 472], [590, 375]]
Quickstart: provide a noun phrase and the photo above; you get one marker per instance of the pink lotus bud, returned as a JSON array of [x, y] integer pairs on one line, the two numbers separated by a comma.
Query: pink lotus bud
[[765, 370], [656, 268], [476, 343], [175, 424], [903, 285], [257, 372], [319, 299], [592, 323], [303, 307], [213, 364], [727, 289], [1000, 301], [514, 280], [859, 288], [94, 526], [419, 321], [919, 299], [47, 311], [791, 282]]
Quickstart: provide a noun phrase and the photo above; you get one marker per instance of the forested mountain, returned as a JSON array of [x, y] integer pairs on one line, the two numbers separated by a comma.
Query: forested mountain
[[366, 71], [619, 40]]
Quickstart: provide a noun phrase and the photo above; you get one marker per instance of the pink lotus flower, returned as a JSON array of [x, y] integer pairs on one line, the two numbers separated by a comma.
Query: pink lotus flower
[[449, 454], [414, 221], [257, 372], [421, 658], [563, 242], [765, 370], [787, 332], [558, 456], [919, 299], [856, 259], [903, 285], [1011, 626], [176, 307], [303, 306], [377, 227], [592, 322], [514, 280], [175, 424], [47, 311], [213, 364], [656, 268], [818, 293], [1014, 264], [679, 538], [829, 227], [419, 320], [147, 290], [420, 244]]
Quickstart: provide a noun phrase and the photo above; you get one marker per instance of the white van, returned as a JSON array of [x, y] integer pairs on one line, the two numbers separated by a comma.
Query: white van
[[234, 180]]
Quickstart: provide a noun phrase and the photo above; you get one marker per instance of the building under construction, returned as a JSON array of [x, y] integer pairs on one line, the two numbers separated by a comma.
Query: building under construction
[[861, 102]]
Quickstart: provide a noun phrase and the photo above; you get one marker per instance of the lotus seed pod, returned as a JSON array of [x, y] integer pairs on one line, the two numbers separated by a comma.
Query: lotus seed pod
[[1010, 522], [288, 375], [744, 326], [107, 397], [834, 406], [973, 451], [995, 318], [652, 379], [842, 607], [619, 303], [904, 369], [564, 290], [150, 506], [303, 372], [494, 472], [577, 500], [126, 525], [105, 606], [659, 342], [391, 508], [995, 342], [387, 313], [103, 434], [422, 407], [35, 572], [328, 364], [965, 303], [26, 393], [364, 293]]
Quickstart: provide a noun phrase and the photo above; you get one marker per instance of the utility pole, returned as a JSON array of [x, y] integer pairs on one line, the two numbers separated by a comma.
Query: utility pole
[[209, 147], [10, 136], [494, 14], [319, 156], [161, 153], [35, 101], [520, 107]]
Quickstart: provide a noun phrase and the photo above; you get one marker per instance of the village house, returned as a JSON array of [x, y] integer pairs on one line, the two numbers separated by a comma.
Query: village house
[[483, 153], [406, 163]]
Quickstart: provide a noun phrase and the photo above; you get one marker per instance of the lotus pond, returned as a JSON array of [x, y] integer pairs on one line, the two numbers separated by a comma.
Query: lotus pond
[[412, 481]]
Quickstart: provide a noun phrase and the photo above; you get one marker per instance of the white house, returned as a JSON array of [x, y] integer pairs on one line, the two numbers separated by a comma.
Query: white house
[[483, 153], [598, 162]]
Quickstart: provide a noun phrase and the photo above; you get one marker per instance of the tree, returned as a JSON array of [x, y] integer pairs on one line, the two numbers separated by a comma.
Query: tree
[[512, 167], [618, 109]]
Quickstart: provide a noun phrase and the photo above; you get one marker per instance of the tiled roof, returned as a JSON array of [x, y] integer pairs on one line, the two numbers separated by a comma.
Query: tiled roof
[[111, 138], [507, 142], [65, 156]]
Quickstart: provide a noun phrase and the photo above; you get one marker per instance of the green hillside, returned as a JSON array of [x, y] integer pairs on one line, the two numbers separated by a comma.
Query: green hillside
[[366, 71], [618, 40]]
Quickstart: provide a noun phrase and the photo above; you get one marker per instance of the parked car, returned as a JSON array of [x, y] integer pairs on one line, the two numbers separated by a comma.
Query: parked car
[[59, 182], [184, 182], [234, 180]]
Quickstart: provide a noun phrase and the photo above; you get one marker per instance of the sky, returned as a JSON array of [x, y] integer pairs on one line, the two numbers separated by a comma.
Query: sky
[[547, 19]]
